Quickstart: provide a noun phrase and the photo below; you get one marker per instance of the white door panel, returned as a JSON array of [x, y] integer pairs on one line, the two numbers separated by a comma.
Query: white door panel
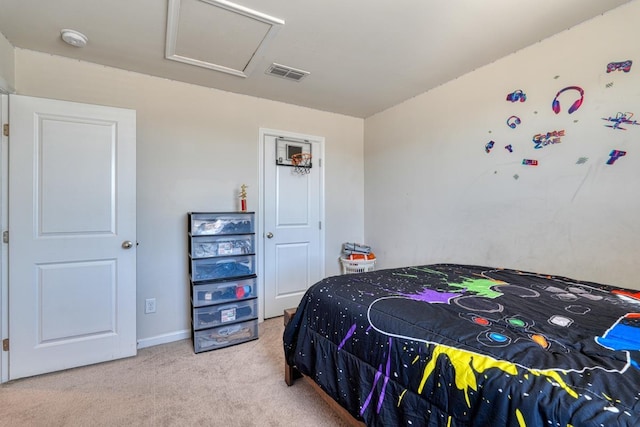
[[293, 212], [94, 305], [71, 206], [63, 197], [293, 269]]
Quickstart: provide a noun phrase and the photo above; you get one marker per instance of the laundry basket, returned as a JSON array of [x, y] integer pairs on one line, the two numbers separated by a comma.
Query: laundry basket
[[350, 266]]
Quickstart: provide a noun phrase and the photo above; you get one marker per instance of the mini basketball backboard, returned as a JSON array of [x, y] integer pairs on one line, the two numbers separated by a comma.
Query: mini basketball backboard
[[287, 150]]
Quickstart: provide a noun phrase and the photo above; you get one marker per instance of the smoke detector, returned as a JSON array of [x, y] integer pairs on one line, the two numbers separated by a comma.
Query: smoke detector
[[74, 38]]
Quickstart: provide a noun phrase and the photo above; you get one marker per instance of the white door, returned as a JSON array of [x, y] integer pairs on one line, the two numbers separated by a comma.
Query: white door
[[292, 230], [72, 234]]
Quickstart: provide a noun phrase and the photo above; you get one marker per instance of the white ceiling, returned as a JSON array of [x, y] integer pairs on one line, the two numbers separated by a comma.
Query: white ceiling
[[363, 55]]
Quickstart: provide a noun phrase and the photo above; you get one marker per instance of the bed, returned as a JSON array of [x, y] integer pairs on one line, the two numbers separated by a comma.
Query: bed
[[458, 345]]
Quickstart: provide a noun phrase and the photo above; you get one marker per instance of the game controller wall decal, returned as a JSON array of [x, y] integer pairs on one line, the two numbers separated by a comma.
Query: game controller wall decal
[[620, 66]]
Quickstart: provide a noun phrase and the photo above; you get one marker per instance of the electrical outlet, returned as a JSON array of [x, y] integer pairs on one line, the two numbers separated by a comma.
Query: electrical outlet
[[149, 305]]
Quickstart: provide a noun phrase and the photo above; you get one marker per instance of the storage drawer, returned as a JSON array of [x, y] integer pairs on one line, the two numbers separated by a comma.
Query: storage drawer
[[202, 224], [215, 315], [225, 335], [213, 246], [222, 268], [220, 292]]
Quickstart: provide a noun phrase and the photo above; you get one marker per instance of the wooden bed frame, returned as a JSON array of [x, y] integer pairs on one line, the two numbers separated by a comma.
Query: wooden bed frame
[[291, 374]]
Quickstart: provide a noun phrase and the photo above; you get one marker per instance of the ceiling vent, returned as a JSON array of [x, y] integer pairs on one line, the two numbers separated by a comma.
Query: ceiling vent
[[285, 72]]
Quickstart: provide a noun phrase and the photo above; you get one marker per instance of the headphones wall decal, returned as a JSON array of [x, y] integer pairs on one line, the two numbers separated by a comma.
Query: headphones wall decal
[[513, 121], [556, 104]]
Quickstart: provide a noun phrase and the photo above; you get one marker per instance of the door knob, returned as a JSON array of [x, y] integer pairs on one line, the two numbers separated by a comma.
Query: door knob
[[127, 244], [269, 235]]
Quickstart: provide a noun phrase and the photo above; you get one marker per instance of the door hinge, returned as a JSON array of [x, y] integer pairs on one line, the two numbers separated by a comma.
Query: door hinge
[[5, 344], [319, 225], [5, 129], [5, 237], [319, 163]]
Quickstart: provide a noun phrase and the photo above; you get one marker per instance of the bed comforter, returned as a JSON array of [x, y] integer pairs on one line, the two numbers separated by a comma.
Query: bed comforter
[[455, 345]]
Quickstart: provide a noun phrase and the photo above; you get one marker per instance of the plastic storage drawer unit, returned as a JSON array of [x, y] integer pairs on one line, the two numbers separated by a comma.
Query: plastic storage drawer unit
[[214, 315], [225, 335], [222, 269], [221, 292]]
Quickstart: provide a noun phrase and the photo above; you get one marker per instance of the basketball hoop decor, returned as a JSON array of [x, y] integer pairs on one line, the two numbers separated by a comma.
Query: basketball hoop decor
[[301, 163], [294, 153]]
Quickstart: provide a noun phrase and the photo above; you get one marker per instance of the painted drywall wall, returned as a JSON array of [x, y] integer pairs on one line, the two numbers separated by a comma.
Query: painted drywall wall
[[433, 193], [7, 65], [195, 147]]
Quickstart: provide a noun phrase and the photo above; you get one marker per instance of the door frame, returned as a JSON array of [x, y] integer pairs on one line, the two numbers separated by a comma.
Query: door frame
[[263, 132], [4, 249]]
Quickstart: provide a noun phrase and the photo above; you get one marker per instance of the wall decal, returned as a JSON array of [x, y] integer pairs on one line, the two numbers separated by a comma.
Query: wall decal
[[608, 85], [555, 105], [509, 148], [529, 162], [517, 95], [582, 160], [489, 146], [516, 176], [542, 140], [513, 121], [615, 155], [620, 119], [620, 66]]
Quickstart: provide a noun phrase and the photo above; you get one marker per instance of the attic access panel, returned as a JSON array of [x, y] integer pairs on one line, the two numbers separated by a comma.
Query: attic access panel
[[218, 35]]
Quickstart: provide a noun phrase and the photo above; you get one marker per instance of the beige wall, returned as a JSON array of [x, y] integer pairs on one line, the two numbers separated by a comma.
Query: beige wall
[[195, 147], [7, 65], [432, 193]]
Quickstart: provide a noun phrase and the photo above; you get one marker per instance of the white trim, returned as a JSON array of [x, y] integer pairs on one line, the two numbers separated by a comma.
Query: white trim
[[173, 15], [4, 250], [164, 338], [260, 213]]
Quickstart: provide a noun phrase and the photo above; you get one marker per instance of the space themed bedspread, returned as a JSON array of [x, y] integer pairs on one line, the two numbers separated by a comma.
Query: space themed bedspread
[[454, 345]]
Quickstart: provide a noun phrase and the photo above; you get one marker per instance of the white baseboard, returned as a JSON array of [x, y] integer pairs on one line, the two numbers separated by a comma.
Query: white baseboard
[[164, 339]]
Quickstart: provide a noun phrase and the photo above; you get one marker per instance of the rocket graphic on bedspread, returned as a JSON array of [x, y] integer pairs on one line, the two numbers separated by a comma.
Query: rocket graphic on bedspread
[[623, 335]]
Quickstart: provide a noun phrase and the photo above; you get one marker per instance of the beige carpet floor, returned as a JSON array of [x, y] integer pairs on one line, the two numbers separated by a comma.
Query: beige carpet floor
[[169, 385]]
